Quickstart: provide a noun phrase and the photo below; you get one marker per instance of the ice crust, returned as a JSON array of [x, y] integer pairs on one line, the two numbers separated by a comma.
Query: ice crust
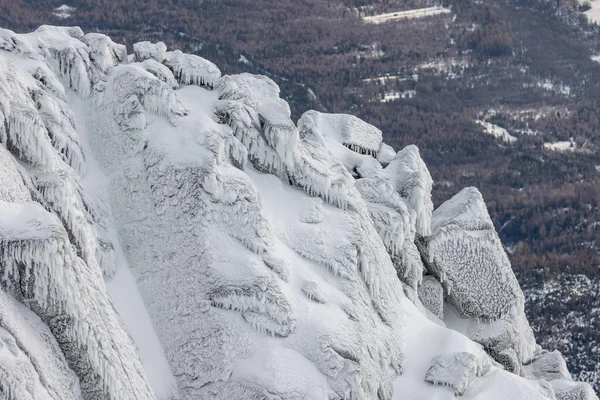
[[274, 260]]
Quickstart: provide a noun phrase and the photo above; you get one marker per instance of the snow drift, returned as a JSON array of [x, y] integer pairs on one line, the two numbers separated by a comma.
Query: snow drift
[[265, 259]]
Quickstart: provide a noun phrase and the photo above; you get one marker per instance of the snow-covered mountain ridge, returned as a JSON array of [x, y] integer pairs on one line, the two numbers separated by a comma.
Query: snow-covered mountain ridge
[[167, 232]]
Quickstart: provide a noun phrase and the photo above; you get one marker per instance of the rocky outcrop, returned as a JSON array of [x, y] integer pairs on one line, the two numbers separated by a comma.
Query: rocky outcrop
[[275, 260]]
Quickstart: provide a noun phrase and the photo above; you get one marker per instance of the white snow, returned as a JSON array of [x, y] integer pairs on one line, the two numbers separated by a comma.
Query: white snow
[[64, 11], [408, 14], [496, 131], [551, 86], [391, 96], [568, 145], [593, 14]]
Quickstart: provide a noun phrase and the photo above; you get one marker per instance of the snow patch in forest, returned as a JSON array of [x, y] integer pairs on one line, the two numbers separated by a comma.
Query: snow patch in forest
[[593, 14], [408, 14], [63, 12], [566, 145], [391, 96], [496, 131]]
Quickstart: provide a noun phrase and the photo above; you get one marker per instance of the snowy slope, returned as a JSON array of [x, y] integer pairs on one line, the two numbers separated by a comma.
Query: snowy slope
[[168, 232]]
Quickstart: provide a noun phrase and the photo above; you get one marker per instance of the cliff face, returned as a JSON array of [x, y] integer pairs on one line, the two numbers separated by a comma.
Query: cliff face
[[246, 256]]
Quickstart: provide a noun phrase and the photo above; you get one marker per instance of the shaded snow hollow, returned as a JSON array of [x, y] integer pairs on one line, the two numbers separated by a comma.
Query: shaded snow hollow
[[169, 233]]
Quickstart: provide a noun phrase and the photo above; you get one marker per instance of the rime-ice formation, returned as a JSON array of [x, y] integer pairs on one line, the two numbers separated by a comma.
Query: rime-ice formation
[[549, 365], [465, 254], [264, 259], [52, 252]]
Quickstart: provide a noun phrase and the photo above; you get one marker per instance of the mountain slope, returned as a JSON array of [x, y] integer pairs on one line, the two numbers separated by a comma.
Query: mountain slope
[[273, 259]]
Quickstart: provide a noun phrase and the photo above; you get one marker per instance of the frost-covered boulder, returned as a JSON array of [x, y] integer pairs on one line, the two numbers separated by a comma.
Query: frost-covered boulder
[[569, 390], [261, 121], [161, 72], [457, 370], [150, 51], [103, 52], [466, 255], [548, 366], [385, 154]]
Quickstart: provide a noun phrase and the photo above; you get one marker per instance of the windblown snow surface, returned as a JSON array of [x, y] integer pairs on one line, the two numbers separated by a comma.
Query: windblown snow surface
[[170, 233]]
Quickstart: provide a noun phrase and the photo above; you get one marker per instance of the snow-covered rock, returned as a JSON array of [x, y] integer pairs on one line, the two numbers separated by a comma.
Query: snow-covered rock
[[457, 370], [190, 69], [431, 295], [548, 365], [466, 255], [410, 177], [32, 364], [348, 130], [150, 51], [261, 259], [569, 390]]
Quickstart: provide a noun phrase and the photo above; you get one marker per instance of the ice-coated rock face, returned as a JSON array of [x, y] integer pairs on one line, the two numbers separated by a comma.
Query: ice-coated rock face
[[244, 274], [465, 253], [549, 366], [32, 365], [52, 249], [272, 260], [431, 295], [569, 390]]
